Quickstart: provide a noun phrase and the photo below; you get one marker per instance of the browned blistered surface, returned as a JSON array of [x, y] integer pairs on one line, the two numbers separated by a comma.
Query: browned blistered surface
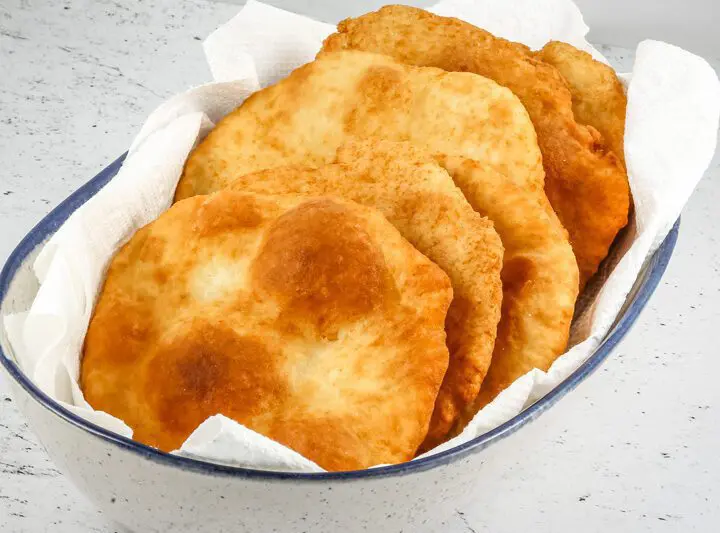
[[309, 320]]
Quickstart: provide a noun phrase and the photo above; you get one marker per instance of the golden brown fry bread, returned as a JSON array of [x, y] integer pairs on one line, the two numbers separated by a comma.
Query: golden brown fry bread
[[419, 198], [585, 182], [539, 277], [309, 320], [304, 118], [598, 98]]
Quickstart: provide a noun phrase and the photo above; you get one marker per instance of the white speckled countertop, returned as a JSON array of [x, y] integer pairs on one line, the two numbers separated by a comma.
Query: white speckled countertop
[[634, 448]]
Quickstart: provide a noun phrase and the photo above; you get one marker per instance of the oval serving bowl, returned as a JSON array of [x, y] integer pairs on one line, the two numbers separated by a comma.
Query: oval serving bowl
[[146, 490]]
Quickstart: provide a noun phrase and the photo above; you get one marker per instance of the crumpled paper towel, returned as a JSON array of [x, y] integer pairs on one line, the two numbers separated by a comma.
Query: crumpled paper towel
[[672, 119]]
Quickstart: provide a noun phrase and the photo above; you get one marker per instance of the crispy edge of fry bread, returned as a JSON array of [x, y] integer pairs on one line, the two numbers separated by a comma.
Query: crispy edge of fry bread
[[539, 275]]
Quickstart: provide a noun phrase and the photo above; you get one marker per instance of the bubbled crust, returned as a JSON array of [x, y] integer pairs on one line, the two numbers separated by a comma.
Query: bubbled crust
[[309, 320], [303, 119], [539, 277], [585, 181], [420, 199]]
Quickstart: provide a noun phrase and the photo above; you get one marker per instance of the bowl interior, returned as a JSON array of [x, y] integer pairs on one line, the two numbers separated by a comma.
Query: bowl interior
[[18, 287]]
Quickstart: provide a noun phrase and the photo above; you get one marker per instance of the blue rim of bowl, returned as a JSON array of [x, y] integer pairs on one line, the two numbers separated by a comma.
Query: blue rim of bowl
[[48, 225]]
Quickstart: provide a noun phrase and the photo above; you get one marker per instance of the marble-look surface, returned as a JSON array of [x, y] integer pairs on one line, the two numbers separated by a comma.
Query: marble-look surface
[[633, 449]]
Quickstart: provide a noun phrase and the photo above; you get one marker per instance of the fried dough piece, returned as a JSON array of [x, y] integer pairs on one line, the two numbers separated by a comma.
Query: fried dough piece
[[598, 98], [539, 277], [419, 198], [303, 119], [309, 320], [585, 182]]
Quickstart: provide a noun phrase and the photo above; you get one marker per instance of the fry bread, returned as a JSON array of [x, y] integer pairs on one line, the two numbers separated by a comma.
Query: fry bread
[[598, 98], [309, 320], [585, 181], [303, 119]]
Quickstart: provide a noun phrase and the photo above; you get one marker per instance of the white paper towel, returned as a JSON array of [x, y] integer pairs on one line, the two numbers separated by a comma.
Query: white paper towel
[[672, 117]]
